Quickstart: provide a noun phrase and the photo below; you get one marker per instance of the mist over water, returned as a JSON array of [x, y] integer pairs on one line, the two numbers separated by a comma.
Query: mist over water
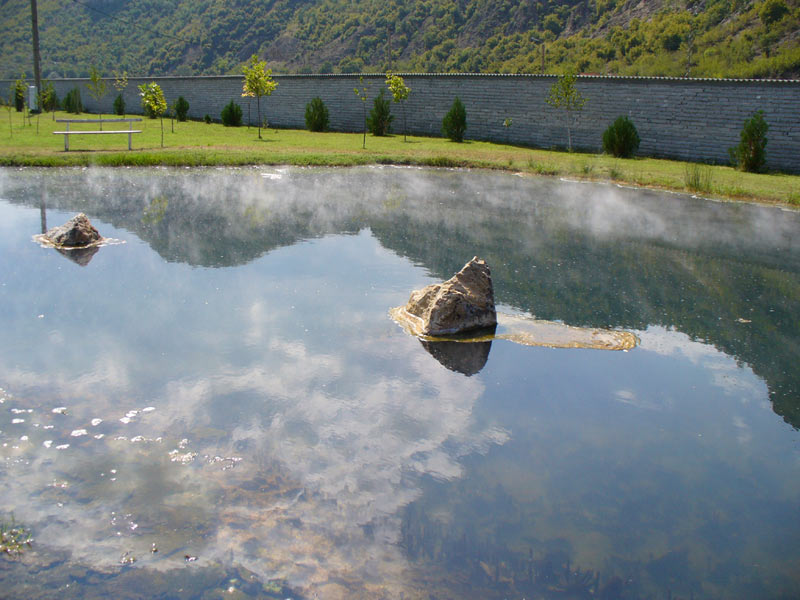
[[227, 385]]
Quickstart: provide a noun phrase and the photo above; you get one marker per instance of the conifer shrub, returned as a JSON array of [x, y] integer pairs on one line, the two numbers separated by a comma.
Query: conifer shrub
[[380, 117], [750, 153], [207, 119], [72, 102], [317, 116], [454, 124], [231, 115], [119, 105], [621, 138], [19, 88], [181, 108]]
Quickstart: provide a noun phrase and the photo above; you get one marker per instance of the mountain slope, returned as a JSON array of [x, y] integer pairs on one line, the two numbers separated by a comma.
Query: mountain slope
[[720, 38]]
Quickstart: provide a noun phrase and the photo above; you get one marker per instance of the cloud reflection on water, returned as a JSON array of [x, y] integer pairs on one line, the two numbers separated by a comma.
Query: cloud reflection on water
[[330, 447]]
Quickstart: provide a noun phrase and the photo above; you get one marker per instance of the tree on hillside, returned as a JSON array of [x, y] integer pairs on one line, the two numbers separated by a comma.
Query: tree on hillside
[[565, 97], [400, 92], [97, 89], [258, 82], [154, 103]]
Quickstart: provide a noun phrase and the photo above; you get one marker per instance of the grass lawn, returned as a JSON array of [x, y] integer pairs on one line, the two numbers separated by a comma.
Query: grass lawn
[[196, 143]]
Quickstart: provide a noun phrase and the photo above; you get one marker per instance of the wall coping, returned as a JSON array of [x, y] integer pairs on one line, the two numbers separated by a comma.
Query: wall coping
[[626, 78]]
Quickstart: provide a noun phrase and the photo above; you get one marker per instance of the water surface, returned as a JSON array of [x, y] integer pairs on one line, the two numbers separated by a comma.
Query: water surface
[[227, 385]]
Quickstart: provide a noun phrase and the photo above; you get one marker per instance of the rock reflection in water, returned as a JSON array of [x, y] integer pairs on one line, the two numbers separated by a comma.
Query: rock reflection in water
[[468, 359], [80, 256]]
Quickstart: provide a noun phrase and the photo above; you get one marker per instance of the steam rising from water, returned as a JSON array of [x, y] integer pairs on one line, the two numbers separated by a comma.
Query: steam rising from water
[[292, 422]]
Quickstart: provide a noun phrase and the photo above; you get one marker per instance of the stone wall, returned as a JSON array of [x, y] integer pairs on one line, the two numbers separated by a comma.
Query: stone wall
[[691, 119]]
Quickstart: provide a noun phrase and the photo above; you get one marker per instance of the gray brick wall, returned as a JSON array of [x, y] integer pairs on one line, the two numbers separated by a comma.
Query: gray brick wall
[[691, 119]]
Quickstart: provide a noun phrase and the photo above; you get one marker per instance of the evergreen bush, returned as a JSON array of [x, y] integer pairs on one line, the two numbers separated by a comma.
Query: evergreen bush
[[72, 102], [181, 108], [119, 105], [454, 124], [750, 153], [317, 116], [207, 119], [380, 117], [621, 138], [19, 94], [231, 115]]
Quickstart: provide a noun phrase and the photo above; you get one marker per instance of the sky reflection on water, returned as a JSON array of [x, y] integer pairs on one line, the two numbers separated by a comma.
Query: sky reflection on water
[[257, 407]]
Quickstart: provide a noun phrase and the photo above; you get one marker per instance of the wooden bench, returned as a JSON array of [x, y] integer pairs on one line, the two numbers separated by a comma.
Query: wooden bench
[[130, 131]]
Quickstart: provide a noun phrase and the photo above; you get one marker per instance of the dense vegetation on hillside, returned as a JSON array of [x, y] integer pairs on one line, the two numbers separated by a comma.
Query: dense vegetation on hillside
[[718, 38]]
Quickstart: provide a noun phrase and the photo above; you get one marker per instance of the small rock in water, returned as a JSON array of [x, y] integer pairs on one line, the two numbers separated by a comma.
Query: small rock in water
[[76, 232], [462, 303]]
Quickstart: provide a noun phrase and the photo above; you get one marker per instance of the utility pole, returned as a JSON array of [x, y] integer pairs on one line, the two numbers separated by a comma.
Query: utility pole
[[542, 54], [37, 74]]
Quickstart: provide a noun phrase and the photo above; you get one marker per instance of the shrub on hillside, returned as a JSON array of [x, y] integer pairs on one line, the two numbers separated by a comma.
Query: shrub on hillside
[[119, 105], [181, 108], [380, 117], [72, 102], [317, 116], [454, 124], [750, 153], [231, 115], [772, 11], [621, 138]]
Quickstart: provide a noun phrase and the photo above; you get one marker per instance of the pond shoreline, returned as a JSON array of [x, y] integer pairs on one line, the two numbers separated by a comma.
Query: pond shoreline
[[197, 144]]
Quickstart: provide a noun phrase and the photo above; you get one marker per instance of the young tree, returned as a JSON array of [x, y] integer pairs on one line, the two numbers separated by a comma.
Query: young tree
[[400, 92], [120, 83], [97, 89], [564, 96], [258, 82], [48, 100], [363, 96], [154, 103]]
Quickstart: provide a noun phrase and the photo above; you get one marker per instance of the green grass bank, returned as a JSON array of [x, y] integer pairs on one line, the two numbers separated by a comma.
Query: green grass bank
[[31, 142]]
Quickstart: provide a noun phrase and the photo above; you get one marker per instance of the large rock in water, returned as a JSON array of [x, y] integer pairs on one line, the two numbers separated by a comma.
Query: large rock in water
[[75, 233], [462, 303]]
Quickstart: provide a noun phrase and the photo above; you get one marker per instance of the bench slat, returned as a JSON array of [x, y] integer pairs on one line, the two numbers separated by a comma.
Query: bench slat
[[68, 133], [72, 132], [96, 120]]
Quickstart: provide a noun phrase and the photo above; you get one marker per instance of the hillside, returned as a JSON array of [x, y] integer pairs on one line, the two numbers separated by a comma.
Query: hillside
[[716, 38]]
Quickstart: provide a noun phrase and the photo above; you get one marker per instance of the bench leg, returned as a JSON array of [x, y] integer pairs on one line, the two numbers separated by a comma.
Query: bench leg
[[66, 142], [129, 141]]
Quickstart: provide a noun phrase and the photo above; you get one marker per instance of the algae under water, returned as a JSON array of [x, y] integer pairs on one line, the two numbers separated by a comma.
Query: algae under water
[[222, 405]]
